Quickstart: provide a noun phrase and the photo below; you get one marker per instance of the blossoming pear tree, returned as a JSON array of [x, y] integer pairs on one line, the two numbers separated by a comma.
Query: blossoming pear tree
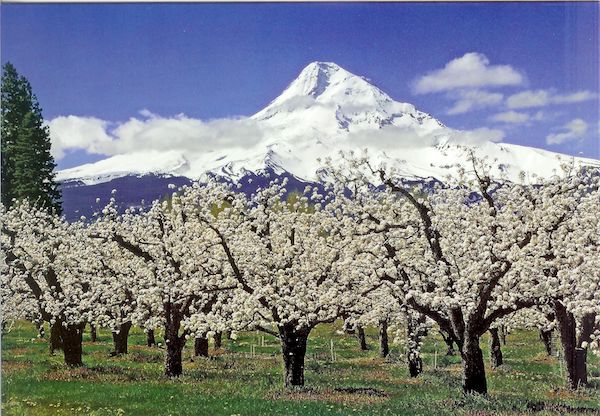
[[296, 265], [462, 254], [569, 242], [46, 267], [178, 268]]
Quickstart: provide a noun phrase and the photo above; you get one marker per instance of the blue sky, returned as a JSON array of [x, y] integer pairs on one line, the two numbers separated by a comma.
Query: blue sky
[[209, 61]]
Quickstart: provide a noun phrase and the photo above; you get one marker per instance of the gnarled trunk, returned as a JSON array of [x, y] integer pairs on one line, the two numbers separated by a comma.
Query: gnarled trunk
[[348, 327], [174, 342], [93, 333], [41, 330], [293, 348], [587, 327], [567, 328], [502, 334], [473, 380], [120, 338], [415, 332], [201, 347], [581, 366], [495, 351], [546, 338], [415, 364], [362, 339], [384, 347], [217, 338], [449, 343], [55, 342], [173, 365], [72, 338], [150, 340]]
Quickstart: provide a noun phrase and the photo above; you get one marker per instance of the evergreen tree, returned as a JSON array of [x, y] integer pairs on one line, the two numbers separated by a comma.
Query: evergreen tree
[[27, 165]]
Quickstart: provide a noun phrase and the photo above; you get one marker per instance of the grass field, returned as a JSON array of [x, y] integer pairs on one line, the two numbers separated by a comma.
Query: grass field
[[235, 383]]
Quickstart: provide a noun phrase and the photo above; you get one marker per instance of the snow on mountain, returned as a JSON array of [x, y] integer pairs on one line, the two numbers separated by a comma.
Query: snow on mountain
[[139, 163], [325, 110], [341, 102]]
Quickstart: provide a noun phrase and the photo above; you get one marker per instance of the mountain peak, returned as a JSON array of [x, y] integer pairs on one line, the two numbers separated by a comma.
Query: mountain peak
[[327, 98], [326, 84], [315, 78]]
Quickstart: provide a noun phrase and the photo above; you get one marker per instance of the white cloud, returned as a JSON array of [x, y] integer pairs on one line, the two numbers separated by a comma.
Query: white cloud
[[152, 133], [147, 113], [472, 70], [510, 117], [575, 97], [528, 99], [477, 136], [515, 117], [73, 133], [574, 129], [540, 98], [474, 99], [392, 138]]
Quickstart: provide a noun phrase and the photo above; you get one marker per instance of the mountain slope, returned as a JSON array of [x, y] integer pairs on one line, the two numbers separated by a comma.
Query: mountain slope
[[325, 110]]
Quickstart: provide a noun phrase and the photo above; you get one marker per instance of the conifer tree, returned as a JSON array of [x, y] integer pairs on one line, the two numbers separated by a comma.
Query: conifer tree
[[27, 165]]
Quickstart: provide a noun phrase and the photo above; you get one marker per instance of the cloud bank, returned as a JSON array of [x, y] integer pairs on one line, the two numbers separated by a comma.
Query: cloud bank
[[95, 136], [182, 135]]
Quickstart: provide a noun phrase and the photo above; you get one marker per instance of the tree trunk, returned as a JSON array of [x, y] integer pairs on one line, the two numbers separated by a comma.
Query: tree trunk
[[218, 340], [55, 339], [173, 365], [502, 334], [415, 332], [347, 327], [201, 347], [150, 341], [581, 366], [567, 328], [384, 347], [93, 333], [72, 338], [293, 348], [495, 351], [587, 327], [362, 339], [546, 337], [415, 364], [473, 380], [228, 334], [174, 347], [41, 330], [120, 338], [449, 343]]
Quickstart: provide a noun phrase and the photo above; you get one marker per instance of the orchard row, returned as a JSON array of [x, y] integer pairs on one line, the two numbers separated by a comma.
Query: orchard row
[[470, 255]]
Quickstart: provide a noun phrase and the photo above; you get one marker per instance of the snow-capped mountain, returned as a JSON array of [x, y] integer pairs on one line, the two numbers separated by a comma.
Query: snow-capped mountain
[[325, 110]]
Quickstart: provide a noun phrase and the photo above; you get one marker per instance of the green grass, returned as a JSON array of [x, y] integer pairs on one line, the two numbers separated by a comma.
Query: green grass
[[234, 383]]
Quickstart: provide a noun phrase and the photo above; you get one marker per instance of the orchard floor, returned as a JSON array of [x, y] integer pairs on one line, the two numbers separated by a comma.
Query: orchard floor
[[234, 382]]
